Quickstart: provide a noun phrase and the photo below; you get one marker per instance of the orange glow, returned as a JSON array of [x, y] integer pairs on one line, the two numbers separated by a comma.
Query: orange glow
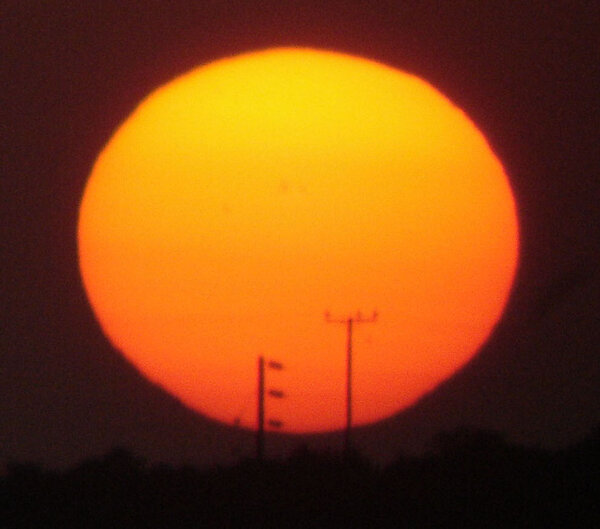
[[242, 200]]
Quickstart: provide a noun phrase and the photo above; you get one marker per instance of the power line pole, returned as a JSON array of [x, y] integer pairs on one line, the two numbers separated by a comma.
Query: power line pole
[[349, 322], [278, 394], [260, 431]]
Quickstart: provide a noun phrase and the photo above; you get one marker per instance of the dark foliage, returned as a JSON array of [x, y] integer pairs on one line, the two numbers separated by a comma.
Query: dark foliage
[[469, 479]]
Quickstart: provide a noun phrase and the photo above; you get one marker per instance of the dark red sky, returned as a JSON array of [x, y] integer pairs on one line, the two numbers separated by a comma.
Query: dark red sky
[[70, 73]]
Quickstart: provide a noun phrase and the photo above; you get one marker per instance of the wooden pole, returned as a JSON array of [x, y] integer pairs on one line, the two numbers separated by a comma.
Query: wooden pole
[[260, 430], [347, 438], [349, 325]]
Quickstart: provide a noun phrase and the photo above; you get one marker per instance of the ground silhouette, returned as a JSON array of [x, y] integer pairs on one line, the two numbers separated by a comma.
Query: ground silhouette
[[469, 478]]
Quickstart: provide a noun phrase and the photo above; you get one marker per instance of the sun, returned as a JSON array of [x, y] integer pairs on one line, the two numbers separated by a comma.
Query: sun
[[244, 199]]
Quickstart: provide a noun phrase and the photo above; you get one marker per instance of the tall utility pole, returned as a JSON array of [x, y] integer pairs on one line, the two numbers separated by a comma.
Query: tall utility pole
[[260, 430], [349, 322]]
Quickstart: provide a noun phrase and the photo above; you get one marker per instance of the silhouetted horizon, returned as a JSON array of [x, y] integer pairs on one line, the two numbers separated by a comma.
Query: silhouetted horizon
[[469, 478]]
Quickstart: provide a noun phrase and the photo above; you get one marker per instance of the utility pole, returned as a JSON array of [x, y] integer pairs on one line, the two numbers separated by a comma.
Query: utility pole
[[349, 322], [275, 423], [260, 431]]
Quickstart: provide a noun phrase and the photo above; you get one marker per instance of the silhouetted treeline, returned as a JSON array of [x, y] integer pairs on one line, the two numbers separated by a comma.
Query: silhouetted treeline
[[468, 479]]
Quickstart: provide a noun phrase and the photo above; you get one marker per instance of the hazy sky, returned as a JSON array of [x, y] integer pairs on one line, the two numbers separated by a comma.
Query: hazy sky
[[70, 73]]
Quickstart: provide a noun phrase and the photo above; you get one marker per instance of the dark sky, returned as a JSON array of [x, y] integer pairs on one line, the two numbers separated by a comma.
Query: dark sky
[[527, 73]]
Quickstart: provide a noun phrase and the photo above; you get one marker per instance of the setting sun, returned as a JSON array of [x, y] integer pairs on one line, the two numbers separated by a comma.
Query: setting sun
[[244, 199]]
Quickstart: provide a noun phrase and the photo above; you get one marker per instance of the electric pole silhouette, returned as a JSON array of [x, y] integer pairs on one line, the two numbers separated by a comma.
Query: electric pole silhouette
[[278, 394], [260, 430], [349, 322]]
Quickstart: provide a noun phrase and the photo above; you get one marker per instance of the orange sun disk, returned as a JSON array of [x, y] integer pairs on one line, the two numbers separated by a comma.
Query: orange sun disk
[[242, 200]]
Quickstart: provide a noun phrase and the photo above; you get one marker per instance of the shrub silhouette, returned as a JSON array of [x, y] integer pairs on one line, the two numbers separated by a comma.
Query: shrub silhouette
[[469, 478]]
